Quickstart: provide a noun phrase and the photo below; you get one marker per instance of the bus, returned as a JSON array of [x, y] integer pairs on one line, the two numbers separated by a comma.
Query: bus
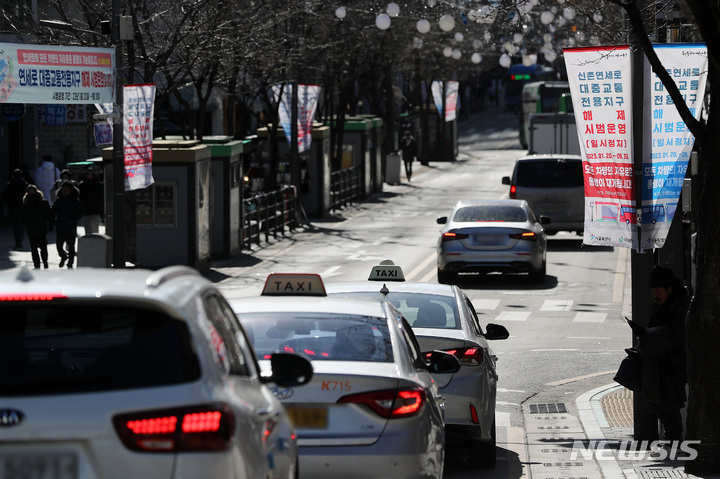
[[539, 97], [517, 76]]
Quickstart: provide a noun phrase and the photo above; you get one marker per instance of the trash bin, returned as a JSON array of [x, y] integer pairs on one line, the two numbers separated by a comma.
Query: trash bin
[[392, 168]]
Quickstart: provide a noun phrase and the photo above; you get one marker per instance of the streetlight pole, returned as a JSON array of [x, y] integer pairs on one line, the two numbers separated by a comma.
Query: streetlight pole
[[117, 207]]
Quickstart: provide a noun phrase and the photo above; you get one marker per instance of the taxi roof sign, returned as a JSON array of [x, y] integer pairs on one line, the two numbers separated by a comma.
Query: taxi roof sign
[[291, 284], [386, 271]]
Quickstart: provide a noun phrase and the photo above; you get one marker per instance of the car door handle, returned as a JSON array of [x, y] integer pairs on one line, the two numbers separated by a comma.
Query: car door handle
[[264, 412]]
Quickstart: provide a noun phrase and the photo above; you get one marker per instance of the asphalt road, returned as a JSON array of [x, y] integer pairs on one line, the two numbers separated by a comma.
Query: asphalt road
[[567, 334]]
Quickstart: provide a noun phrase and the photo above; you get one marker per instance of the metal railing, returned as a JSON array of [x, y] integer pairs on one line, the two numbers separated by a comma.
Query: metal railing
[[345, 187], [267, 215]]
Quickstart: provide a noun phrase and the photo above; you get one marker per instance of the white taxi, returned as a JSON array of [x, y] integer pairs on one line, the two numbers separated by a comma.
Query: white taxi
[[372, 408], [135, 373], [443, 318]]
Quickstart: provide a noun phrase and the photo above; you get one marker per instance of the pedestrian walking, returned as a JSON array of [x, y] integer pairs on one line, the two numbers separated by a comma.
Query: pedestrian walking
[[13, 194], [67, 211], [45, 176], [37, 217], [408, 145], [65, 175], [91, 195], [661, 346]]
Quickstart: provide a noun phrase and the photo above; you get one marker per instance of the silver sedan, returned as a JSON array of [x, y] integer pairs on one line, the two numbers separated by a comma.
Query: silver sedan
[[372, 408], [443, 318], [491, 235]]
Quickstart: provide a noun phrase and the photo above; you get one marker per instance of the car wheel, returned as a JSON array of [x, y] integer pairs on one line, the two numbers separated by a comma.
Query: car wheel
[[482, 453], [538, 275], [446, 277]]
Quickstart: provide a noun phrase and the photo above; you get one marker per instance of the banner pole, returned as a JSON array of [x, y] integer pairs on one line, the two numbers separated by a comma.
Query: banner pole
[[645, 424]]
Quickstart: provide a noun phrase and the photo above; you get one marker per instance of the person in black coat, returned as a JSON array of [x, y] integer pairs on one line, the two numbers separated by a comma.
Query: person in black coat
[[67, 211], [37, 217], [91, 195], [13, 195], [409, 148], [662, 349]]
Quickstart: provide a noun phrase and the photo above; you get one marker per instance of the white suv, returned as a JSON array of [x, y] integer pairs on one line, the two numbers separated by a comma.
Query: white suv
[[135, 373]]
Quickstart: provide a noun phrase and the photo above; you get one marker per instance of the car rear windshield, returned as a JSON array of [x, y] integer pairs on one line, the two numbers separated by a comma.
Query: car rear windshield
[[67, 349], [555, 173], [421, 310], [321, 336], [471, 214]]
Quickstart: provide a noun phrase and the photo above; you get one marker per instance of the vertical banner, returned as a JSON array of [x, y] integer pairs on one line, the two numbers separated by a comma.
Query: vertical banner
[[451, 98], [665, 167], [138, 112], [307, 104], [103, 129], [600, 85]]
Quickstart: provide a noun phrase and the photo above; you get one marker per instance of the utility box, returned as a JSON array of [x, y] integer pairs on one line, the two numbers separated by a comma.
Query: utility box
[[393, 167], [375, 147], [355, 149], [553, 133], [94, 251], [226, 195], [173, 214]]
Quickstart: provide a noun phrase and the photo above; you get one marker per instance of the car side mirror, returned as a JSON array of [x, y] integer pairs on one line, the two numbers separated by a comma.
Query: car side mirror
[[440, 362], [544, 220], [506, 180], [288, 370], [496, 331], [442, 220]]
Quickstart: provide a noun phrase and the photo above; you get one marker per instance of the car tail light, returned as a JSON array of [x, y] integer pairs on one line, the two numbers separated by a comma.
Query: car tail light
[[31, 296], [527, 235], [450, 236], [391, 403], [468, 356], [513, 191], [197, 428]]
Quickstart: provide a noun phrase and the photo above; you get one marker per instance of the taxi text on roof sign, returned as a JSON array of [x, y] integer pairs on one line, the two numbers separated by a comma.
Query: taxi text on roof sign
[[288, 284], [386, 271]]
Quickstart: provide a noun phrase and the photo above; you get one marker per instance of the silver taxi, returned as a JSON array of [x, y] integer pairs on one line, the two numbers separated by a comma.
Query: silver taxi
[[443, 318], [135, 373], [372, 408]]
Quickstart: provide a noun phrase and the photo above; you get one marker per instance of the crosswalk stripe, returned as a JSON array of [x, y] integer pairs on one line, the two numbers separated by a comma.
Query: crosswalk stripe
[[589, 317], [513, 316], [556, 305], [487, 304]]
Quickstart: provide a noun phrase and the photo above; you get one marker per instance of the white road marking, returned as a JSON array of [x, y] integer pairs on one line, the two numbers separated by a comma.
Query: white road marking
[[503, 390], [578, 378], [589, 317], [330, 272], [488, 304], [410, 276], [513, 316], [502, 419], [556, 305]]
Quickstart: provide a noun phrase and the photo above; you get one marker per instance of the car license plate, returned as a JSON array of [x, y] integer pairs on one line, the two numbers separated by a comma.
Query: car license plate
[[489, 239], [38, 466], [307, 417]]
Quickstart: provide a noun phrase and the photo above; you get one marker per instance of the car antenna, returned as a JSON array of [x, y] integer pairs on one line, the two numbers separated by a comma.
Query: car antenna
[[384, 291]]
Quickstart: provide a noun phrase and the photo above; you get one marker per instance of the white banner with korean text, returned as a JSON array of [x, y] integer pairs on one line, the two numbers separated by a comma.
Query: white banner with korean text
[[138, 113], [665, 167], [51, 74], [600, 85]]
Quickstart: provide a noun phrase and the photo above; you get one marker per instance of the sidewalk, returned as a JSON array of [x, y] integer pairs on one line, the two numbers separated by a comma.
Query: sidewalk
[[11, 257]]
